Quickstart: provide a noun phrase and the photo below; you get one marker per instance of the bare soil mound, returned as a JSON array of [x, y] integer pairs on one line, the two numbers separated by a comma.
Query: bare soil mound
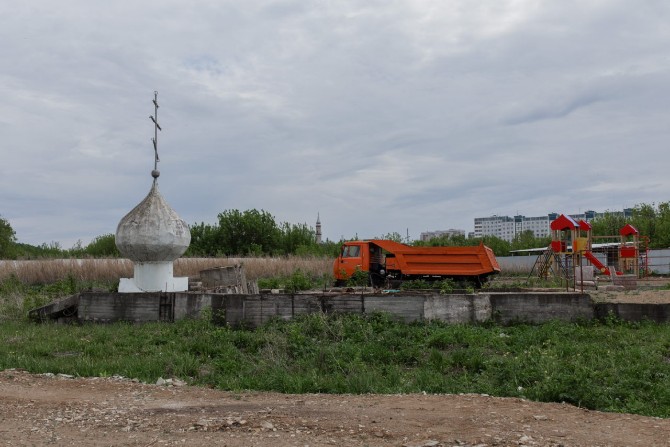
[[59, 410]]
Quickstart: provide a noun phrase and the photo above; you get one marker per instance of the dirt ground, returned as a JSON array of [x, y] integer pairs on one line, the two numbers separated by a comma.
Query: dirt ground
[[631, 296], [40, 410]]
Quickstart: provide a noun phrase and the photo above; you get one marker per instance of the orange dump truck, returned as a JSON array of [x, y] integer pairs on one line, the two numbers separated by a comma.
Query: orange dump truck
[[389, 262]]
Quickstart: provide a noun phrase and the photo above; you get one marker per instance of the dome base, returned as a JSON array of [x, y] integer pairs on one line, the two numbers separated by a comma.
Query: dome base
[[153, 277]]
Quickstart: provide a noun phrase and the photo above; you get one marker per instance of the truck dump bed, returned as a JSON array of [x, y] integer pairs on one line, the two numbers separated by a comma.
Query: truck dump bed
[[477, 260]]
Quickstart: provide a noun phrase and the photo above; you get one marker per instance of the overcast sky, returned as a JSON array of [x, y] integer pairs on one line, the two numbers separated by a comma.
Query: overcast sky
[[382, 116]]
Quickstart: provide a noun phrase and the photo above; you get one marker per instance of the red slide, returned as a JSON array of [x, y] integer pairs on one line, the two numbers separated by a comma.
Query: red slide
[[599, 265]]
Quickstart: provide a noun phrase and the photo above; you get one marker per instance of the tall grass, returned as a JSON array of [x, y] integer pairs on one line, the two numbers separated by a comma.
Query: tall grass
[[17, 298], [609, 366], [47, 271]]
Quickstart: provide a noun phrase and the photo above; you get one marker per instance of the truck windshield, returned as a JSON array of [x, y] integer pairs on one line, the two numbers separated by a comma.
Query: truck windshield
[[351, 251]]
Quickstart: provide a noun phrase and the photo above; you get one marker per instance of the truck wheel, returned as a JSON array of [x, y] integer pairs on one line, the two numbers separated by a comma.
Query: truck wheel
[[376, 280]]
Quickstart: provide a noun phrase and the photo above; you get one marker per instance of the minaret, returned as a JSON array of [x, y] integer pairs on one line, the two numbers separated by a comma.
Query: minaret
[[318, 228], [152, 235]]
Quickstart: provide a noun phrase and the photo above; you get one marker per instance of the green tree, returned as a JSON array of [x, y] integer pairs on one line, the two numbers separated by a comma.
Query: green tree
[[644, 219], [662, 239], [251, 232], [395, 236], [102, 246], [499, 246], [255, 232], [608, 224], [526, 239], [327, 248], [7, 240], [205, 240], [454, 240], [654, 222], [294, 236]]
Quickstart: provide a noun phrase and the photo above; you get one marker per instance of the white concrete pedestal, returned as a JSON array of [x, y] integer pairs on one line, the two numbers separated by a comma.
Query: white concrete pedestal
[[153, 277]]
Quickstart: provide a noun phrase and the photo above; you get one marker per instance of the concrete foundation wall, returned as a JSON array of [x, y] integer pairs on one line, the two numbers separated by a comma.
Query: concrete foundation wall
[[255, 310], [191, 305], [458, 308], [404, 308], [633, 311], [540, 307], [309, 304], [136, 307], [141, 307]]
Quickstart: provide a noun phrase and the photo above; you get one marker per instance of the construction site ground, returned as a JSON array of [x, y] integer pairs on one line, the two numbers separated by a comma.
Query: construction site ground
[[650, 291], [58, 410]]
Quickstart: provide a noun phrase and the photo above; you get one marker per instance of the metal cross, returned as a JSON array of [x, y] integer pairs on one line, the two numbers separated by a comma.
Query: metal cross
[[155, 173]]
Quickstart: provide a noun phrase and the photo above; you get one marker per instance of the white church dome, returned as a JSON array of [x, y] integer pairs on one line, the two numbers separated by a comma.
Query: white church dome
[[152, 231]]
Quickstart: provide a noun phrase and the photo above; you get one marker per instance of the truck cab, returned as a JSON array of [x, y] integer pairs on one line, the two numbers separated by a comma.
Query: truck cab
[[355, 256]]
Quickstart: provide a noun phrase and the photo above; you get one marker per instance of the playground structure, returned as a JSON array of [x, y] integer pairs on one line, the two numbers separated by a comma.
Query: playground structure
[[570, 256]]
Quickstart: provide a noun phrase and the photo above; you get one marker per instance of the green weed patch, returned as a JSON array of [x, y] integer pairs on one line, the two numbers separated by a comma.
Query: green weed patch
[[609, 366]]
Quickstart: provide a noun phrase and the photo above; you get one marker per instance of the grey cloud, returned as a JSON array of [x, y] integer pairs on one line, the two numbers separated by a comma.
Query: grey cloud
[[381, 116], [554, 111]]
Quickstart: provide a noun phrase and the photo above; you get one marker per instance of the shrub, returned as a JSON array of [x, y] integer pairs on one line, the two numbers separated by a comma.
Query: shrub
[[358, 279]]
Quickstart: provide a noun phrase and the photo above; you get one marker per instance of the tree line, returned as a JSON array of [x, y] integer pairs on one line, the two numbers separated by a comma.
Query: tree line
[[652, 221], [235, 233], [500, 247], [257, 233]]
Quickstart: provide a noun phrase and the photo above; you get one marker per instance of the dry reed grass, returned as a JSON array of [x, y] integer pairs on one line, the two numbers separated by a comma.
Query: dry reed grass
[[47, 271], [258, 267]]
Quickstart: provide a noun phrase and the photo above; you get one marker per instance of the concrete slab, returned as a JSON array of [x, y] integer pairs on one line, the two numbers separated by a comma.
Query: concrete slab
[[540, 307], [403, 308]]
